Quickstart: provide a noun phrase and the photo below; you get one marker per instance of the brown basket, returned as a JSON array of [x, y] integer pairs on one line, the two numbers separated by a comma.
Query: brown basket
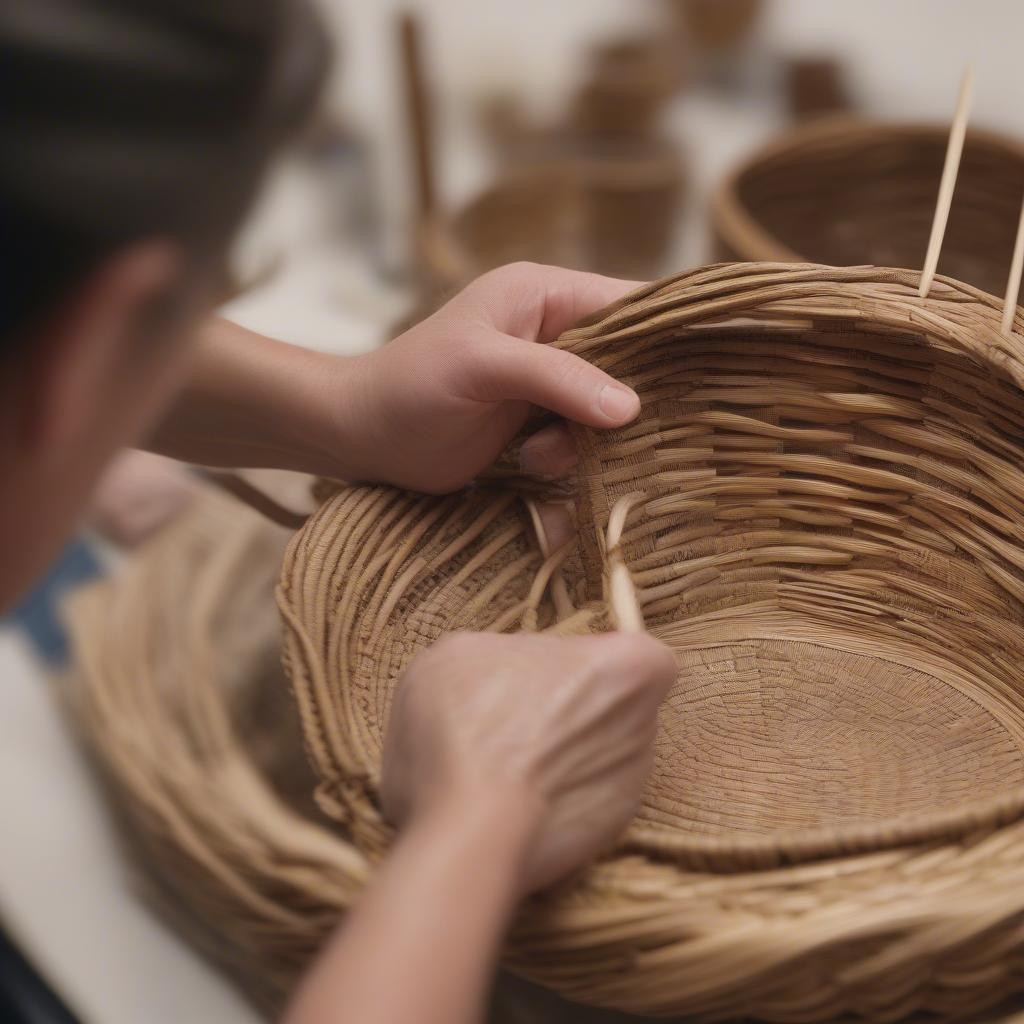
[[178, 694], [716, 25], [608, 207], [628, 85], [827, 521], [532, 213], [847, 192]]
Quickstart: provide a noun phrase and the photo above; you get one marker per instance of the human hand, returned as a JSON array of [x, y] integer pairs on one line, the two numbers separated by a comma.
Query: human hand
[[138, 494], [560, 726], [438, 405]]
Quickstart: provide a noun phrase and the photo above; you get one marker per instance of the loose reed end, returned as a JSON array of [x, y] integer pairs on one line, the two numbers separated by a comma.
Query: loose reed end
[[622, 598]]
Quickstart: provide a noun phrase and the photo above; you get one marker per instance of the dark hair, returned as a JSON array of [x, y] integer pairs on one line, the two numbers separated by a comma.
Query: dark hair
[[128, 119]]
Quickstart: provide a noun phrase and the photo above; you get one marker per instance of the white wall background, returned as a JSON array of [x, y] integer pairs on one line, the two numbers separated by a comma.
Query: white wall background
[[904, 57]]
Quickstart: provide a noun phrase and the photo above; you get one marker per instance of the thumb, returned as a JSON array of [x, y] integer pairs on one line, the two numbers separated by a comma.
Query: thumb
[[516, 370]]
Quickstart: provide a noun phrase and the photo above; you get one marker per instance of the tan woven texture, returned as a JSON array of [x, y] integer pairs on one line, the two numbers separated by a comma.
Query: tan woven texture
[[826, 526], [178, 695], [847, 192], [606, 206]]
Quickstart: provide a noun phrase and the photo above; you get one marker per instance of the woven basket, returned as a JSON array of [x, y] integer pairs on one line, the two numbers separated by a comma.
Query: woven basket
[[847, 192], [179, 697], [605, 206], [716, 25], [825, 501], [629, 82]]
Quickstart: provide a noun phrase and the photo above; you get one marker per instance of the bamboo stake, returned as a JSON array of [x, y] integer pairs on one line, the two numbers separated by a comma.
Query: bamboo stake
[[419, 125], [1013, 284], [954, 151]]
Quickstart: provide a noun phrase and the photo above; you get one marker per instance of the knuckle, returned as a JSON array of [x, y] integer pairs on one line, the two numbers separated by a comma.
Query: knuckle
[[465, 647], [565, 370], [454, 645], [640, 661], [518, 270], [505, 277]]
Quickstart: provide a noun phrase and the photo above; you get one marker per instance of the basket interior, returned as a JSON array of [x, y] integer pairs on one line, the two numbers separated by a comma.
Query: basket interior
[[848, 195], [831, 543], [829, 537]]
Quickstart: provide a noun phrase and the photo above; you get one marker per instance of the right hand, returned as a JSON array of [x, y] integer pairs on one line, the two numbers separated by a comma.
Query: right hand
[[562, 725]]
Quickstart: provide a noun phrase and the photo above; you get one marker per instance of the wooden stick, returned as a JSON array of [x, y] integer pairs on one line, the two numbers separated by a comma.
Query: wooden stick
[[418, 112], [949, 171], [1013, 284]]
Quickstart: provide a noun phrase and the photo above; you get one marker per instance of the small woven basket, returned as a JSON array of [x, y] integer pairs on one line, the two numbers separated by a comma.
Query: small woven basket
[[825, 500], [607, 206], [848, 192], [629, 83]]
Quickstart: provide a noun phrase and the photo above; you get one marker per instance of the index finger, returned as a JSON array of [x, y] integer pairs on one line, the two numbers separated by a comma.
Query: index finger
[[537, 302]]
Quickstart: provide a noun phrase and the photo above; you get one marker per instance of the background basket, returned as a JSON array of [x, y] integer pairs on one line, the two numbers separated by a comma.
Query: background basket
[[607, 206], [847, 192], [828, 509]]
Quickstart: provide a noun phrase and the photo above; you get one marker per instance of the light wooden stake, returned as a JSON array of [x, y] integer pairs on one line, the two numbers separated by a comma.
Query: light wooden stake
[[420, 124], [1013, 284], [949, 171]]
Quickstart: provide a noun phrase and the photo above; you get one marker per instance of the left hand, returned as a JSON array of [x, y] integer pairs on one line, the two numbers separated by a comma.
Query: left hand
[[438, 405]]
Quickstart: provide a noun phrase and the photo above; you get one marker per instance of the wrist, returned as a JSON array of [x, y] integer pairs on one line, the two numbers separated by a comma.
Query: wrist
[[331, 417], [496, 826]]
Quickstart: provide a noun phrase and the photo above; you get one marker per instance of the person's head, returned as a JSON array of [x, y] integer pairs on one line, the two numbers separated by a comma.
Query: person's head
[[133, 136]]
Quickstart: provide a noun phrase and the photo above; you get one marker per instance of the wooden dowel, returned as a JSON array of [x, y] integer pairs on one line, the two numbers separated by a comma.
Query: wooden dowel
[[954, 151], [1013, 284], [419, 123]]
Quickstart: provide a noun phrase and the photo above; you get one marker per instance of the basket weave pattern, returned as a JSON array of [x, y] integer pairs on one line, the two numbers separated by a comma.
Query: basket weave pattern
[[844, 191], [827, 516], [176, 691]]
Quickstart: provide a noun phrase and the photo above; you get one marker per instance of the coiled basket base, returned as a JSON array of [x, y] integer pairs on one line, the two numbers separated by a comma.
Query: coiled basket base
[[772, 731]]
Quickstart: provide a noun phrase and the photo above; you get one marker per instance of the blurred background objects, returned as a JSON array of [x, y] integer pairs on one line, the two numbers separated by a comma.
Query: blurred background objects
[[631, 137]]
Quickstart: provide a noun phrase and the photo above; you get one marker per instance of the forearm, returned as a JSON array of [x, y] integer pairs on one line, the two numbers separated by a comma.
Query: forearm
[[251, 401], [420, 947]]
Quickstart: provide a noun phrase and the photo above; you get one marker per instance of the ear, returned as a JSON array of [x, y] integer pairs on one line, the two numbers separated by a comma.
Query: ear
[[77, 350]]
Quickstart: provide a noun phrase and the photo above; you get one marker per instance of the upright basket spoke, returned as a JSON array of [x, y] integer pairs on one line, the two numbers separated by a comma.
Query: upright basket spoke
[[949, 172], [1013, 284]]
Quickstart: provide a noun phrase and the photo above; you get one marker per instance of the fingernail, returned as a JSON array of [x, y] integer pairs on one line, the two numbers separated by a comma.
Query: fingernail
[[618, 402], [531, 461]]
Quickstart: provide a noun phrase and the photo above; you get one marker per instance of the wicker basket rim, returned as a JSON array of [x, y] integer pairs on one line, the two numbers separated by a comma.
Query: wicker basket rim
[[743, 233]]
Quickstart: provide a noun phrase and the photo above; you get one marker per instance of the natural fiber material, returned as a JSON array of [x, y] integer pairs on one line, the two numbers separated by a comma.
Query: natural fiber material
[[826, 525], [177, 692], [608, 206], [178, 695], [849, 192]]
